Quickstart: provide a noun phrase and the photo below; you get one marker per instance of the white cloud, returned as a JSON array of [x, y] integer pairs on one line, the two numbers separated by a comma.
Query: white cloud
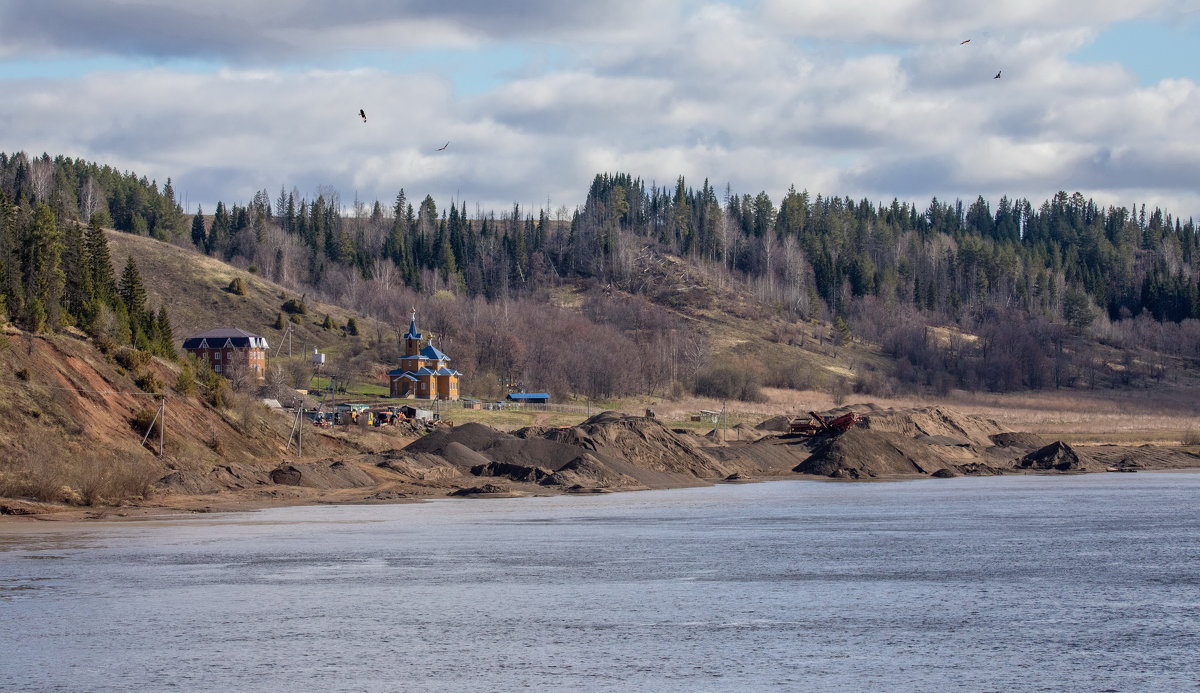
[[722, 92], [949, 21]]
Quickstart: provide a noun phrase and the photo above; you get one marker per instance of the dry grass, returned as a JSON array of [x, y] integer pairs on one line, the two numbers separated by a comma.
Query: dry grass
[[44, 475], [1164, 416]]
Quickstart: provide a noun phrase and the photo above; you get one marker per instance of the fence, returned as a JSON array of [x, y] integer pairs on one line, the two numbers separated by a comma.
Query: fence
[[523, 406]]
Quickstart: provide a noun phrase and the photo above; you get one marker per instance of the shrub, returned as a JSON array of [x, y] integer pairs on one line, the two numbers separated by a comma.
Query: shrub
[[132, 359], [144, 419], [727, 382], [185, 382], [148, 382], [237, 287], [295, 307], [1191, 437]]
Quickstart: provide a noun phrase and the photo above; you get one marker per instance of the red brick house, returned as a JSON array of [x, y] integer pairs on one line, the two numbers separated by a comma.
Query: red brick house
[[228, 348]]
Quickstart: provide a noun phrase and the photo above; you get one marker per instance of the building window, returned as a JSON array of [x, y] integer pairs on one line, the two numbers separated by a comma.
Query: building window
[[217, 368], [216, 356]]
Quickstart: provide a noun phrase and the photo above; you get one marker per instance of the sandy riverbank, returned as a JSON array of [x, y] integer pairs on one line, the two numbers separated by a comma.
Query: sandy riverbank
[[617, 452]]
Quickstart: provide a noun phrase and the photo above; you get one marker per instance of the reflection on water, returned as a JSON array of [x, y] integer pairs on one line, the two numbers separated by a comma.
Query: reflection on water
[[1013, 583]]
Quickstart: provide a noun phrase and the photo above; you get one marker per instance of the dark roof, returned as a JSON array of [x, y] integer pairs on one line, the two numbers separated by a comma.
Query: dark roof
[[432, 352], [528, 395], [425, 371], [215, 339], [401, 373], [412, 328]]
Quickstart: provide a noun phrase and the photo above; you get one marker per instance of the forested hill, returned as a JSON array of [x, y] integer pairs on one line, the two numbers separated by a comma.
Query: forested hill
[[1034, 289]]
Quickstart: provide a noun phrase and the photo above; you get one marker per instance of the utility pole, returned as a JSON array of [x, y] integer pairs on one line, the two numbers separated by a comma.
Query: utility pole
[[160, 417]]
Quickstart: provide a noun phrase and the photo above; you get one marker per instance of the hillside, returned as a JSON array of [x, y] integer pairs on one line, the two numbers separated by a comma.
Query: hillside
[[194, 288]]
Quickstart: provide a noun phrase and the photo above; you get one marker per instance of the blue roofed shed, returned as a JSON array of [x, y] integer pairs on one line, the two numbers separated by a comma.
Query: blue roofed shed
[[530, 397]]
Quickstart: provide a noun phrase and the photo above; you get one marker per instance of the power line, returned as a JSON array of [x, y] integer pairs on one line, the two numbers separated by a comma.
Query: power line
[[93, 392]]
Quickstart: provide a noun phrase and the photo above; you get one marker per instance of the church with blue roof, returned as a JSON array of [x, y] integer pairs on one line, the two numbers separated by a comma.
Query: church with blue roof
[[424, 371]]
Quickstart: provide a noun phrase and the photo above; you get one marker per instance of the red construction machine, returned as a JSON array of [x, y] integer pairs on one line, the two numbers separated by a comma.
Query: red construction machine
[[818, 425]]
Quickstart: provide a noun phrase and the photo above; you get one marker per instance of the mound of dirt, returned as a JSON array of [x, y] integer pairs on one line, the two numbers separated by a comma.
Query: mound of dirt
[[484, 490], [644, 442], [865, 454], [903, 442], [934, 421], [223, 477], [326, 474], [1021, 441], [1057, 456], [585, 471], [516, 472], [473, 436], [460, 455], [1122, 458], [422, 467], [778, 424]]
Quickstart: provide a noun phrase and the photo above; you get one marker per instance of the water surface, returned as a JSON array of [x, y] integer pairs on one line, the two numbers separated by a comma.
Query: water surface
[[1080, 583]]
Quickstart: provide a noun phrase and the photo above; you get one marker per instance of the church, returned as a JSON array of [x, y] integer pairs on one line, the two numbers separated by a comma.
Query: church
[[425, 371]]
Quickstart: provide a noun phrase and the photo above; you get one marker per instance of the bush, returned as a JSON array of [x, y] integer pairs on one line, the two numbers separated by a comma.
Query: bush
[[1191, 437], [295, 307], [185, 382], [237, 287], [727, 382], [148, 382], [144, 419], [132, 359]]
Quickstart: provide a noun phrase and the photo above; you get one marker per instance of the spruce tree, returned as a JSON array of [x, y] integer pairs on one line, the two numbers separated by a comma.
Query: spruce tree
[[164, 334], [41, 253], [199, 235], [133, 294], [99, 260]]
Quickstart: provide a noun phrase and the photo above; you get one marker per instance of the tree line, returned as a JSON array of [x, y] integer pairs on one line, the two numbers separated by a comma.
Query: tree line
[[55, 272], [1071, 273]]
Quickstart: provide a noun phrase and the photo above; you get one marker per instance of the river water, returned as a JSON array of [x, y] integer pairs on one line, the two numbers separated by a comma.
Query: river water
[[1032, 583]]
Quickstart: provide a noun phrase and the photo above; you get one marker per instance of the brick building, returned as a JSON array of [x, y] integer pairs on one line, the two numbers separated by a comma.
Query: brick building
[[229, 348]]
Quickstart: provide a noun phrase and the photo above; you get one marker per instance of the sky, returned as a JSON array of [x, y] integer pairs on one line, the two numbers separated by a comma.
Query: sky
[[875, 99]]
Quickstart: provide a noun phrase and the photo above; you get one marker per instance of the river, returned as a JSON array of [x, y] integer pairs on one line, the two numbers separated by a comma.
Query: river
[[1028, 583]]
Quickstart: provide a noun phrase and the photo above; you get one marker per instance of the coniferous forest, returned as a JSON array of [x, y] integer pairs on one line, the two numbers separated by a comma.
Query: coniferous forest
[[987, 295]]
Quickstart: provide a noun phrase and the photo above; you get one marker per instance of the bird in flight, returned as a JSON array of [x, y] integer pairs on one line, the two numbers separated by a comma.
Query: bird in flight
[[964, 42], [997, 75], [443, 147], [362, 114]]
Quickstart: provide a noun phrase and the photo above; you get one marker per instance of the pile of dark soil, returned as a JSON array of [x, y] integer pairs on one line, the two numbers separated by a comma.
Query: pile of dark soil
[[1057, 456], [327, 474], [865, 454], [621, 451], [216, 479], [586, 471], [644, 441]]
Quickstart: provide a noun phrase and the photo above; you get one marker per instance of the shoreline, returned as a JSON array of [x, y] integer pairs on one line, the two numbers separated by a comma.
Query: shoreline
[[174, 507]]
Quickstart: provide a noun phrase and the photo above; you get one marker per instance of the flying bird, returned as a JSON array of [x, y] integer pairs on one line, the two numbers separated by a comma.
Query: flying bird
[[964, 42], [997, 76], [362, 114], [443, 147]]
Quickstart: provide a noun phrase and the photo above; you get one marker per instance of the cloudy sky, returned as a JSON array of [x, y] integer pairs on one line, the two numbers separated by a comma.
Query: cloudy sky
[[867, 98]]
